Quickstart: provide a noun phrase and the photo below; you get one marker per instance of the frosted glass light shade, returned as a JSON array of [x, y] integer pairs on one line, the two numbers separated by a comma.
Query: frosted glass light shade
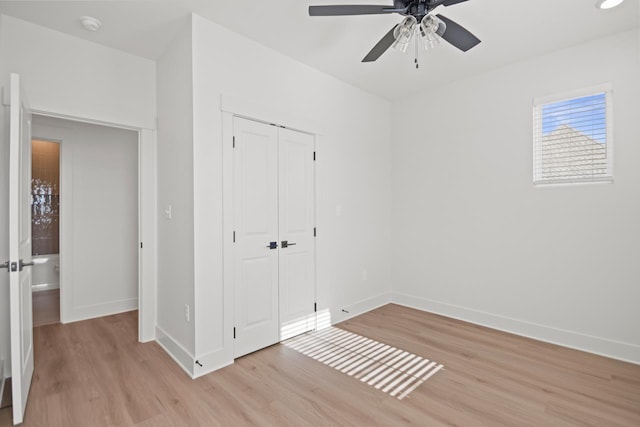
[[431, 31], [403, 33]]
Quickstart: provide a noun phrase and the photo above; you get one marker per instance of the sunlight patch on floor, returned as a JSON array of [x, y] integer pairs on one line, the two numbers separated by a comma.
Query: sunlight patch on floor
[[392, 370]]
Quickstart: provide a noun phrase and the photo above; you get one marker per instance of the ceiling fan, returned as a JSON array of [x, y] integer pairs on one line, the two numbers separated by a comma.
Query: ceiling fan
[[418, 19]]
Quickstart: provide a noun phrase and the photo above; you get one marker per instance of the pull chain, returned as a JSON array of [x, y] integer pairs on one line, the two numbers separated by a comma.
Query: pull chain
[[416, 36]]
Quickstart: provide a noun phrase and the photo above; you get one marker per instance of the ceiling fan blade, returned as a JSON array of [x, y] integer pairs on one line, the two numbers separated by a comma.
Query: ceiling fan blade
[[381, 47], [452, 2], [355, 9], [457, 35]]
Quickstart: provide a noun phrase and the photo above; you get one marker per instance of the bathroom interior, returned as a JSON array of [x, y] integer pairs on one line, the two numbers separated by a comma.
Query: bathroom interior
[[45, 231]]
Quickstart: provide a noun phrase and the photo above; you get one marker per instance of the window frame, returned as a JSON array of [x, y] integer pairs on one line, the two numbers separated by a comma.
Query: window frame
[[541, 102]]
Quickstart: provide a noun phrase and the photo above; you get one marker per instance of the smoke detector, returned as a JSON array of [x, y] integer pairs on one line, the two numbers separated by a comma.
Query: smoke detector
[[607, 4], [90, 23]]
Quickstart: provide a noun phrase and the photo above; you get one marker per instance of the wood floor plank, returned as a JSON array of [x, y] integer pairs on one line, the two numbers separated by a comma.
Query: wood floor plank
[[95, 373], [46, 307]]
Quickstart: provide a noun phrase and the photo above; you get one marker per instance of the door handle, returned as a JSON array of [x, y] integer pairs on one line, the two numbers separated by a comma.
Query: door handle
[[10, 266], [273, 245], [25, 264], [286, 244]]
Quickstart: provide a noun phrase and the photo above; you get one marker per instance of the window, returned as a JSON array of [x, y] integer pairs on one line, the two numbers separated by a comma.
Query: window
[[572, 138]]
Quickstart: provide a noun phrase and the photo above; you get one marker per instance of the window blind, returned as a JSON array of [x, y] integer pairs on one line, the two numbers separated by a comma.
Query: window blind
[[571, 140]]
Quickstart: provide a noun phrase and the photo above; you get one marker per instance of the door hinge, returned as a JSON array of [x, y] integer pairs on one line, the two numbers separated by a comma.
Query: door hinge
[[234, 142], [314, 232], [140, 245], [234, 332], [234, 237], [315, 307], [314, 156]]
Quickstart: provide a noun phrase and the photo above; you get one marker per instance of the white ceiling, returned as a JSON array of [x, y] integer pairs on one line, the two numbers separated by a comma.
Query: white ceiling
[[510, 30]]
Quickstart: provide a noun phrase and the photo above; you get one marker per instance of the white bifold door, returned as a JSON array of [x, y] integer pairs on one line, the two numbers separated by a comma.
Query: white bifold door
[[274, 247]]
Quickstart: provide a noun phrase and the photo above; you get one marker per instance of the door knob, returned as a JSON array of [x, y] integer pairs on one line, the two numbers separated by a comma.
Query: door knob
[[10, 266], [273, 245], [25, 264], [286, 244]]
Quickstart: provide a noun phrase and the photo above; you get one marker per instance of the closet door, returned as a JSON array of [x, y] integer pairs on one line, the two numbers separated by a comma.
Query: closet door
[[297, 246], [256, 226]]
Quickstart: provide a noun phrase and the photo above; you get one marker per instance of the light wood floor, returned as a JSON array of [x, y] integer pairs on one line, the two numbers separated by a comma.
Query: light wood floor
[[94, 373], [5, 402], [46, 307]]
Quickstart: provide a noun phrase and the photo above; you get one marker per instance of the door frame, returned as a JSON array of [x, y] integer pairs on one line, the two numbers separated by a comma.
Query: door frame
[[147, 219], [231, 106]]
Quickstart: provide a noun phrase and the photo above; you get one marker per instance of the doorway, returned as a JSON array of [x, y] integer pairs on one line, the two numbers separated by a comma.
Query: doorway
[[45, 231], [98, 238], [274, 230]]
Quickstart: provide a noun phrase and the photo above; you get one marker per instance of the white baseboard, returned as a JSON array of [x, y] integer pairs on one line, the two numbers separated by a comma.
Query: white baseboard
[[221, 358], [360, 307], [77, 314], [181, 355], [601, 346], [604, 347], [211, 362], [145, 339]]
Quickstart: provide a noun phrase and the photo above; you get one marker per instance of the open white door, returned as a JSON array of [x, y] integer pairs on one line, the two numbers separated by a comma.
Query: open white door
[[20, 249]]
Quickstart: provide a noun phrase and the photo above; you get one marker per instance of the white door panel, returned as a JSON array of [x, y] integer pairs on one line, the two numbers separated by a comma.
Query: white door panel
[[255, 225], [297, 294], [20, 249], [258, 276], [259, 212], [296, 224], [274, 201]]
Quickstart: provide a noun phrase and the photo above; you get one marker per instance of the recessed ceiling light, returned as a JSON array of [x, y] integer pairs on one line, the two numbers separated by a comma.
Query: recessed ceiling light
[[90, 23], [607, 4]]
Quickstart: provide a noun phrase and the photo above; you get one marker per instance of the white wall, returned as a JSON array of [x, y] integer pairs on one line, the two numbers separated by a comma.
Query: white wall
[[204, 63], [352, 172], [73, 77], [98, 217], [78, 78], [480, 242], [175, 188]]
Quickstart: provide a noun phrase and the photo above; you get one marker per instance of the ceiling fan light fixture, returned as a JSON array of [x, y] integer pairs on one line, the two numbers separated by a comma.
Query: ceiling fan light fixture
[[431, 31], [608, 4], [431, 28], [403, 33]]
